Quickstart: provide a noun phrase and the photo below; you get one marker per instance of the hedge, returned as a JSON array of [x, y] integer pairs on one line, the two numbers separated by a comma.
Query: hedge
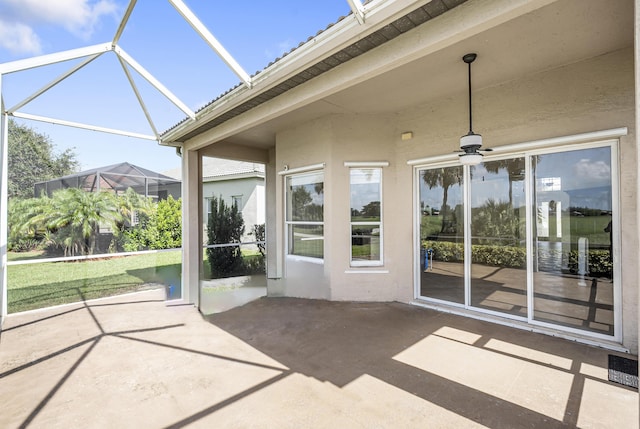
[[511, 256]]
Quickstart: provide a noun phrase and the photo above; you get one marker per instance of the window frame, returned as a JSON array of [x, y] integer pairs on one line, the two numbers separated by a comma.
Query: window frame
[[288, 224], [377, 166], [607, 138]]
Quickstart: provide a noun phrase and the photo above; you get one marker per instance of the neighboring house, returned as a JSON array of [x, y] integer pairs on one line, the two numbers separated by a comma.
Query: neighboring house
[[236, 182], [115, 178], [358, 126]]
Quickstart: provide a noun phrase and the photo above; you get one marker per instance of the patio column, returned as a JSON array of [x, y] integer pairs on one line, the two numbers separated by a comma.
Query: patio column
[[191, 226], [4, 198]]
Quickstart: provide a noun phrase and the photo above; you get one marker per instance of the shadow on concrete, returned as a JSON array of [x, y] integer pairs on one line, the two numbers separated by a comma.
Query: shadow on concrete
[[342, 343], [339, 342]]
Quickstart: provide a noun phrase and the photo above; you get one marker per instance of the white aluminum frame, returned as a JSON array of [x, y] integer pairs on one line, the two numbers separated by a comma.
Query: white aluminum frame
[[609, 138], [303, 171], [368, 166]]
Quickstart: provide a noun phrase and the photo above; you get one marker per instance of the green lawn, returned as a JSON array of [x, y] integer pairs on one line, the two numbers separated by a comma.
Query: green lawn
[[42, 285], [591, 227]]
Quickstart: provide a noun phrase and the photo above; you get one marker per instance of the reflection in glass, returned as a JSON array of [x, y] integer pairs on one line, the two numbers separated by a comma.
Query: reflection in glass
[[305, 214], [442, 234], [306, 240], [498, 237], [366, 197], [573, 263]]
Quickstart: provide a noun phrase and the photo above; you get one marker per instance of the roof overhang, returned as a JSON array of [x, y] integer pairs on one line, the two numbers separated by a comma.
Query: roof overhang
[[289, 71], [513, 38]]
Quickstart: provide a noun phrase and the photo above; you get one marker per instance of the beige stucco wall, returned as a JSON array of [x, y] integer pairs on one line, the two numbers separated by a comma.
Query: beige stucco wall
[[591, 95]]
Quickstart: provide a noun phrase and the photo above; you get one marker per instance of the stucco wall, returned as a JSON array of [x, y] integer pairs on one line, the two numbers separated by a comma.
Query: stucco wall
[[591, 95], [300, 147]]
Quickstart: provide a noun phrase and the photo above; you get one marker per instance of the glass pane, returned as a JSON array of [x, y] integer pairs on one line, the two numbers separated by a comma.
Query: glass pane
[[306, 240], [365, 194], [305, 197], [498, 237], [442, 234], [573, 264], [365, 243]]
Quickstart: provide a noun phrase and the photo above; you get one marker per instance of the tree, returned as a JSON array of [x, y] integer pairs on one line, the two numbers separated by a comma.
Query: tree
[[77, 216], [444, 178], [159, 227], [515, 171], [70, 219], [169, 223], [32, 159], [371, 210], [225, 226]]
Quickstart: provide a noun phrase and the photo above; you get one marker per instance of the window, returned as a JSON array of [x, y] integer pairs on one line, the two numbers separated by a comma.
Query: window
[[530, 236], [237, 201], [304, 214], [366, 216]]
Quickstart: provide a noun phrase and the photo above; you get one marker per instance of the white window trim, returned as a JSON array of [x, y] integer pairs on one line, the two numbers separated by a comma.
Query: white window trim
[[368, 165], [603, 138], [233, 200], [316, 168], [291, 171]]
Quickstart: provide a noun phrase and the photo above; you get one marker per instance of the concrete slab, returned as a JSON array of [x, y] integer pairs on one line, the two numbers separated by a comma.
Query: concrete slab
[[132, 361]]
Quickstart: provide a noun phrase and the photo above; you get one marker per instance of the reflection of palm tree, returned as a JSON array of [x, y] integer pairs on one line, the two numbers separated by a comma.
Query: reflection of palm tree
[[444, 178], [515, 171]]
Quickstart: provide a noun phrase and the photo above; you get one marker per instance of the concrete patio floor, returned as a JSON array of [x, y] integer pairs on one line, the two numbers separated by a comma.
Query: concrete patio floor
[[131, 361]]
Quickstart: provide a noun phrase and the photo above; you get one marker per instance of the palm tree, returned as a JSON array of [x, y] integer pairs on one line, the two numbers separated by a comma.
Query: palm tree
[[76, 216], [515, 171], [130, 203], [444, 178]]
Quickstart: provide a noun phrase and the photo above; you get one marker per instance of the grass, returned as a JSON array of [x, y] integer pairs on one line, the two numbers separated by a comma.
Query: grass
[[591, 227], [21, 256], [43, 285]]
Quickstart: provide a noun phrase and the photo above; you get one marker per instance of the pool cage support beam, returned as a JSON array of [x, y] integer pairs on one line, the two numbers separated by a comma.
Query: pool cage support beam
[[4, 198]]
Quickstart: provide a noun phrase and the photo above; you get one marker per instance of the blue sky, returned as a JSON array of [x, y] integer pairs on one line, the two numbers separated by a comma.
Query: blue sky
[[255, 32]]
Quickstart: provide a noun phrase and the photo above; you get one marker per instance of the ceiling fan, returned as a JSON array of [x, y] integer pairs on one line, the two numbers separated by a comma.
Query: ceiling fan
[[471, 143]]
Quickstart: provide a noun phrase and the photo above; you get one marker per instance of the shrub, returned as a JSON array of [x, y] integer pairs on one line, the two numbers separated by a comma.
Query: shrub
[[225, 226], [25, 245], [160, 228], [599, 262], [254, 264], [513, 257]]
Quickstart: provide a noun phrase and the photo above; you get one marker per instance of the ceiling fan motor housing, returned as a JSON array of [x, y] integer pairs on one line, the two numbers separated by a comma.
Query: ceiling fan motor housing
[[471, 142]]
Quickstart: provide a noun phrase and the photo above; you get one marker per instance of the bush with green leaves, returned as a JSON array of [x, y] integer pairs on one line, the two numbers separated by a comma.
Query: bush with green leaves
[[513, 257], [160, 227], [225, 226]]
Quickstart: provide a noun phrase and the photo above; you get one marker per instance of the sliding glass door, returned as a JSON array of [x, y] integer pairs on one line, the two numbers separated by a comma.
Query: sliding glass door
[[527, 237], [573, 231], [498, 237], [442, 234]]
